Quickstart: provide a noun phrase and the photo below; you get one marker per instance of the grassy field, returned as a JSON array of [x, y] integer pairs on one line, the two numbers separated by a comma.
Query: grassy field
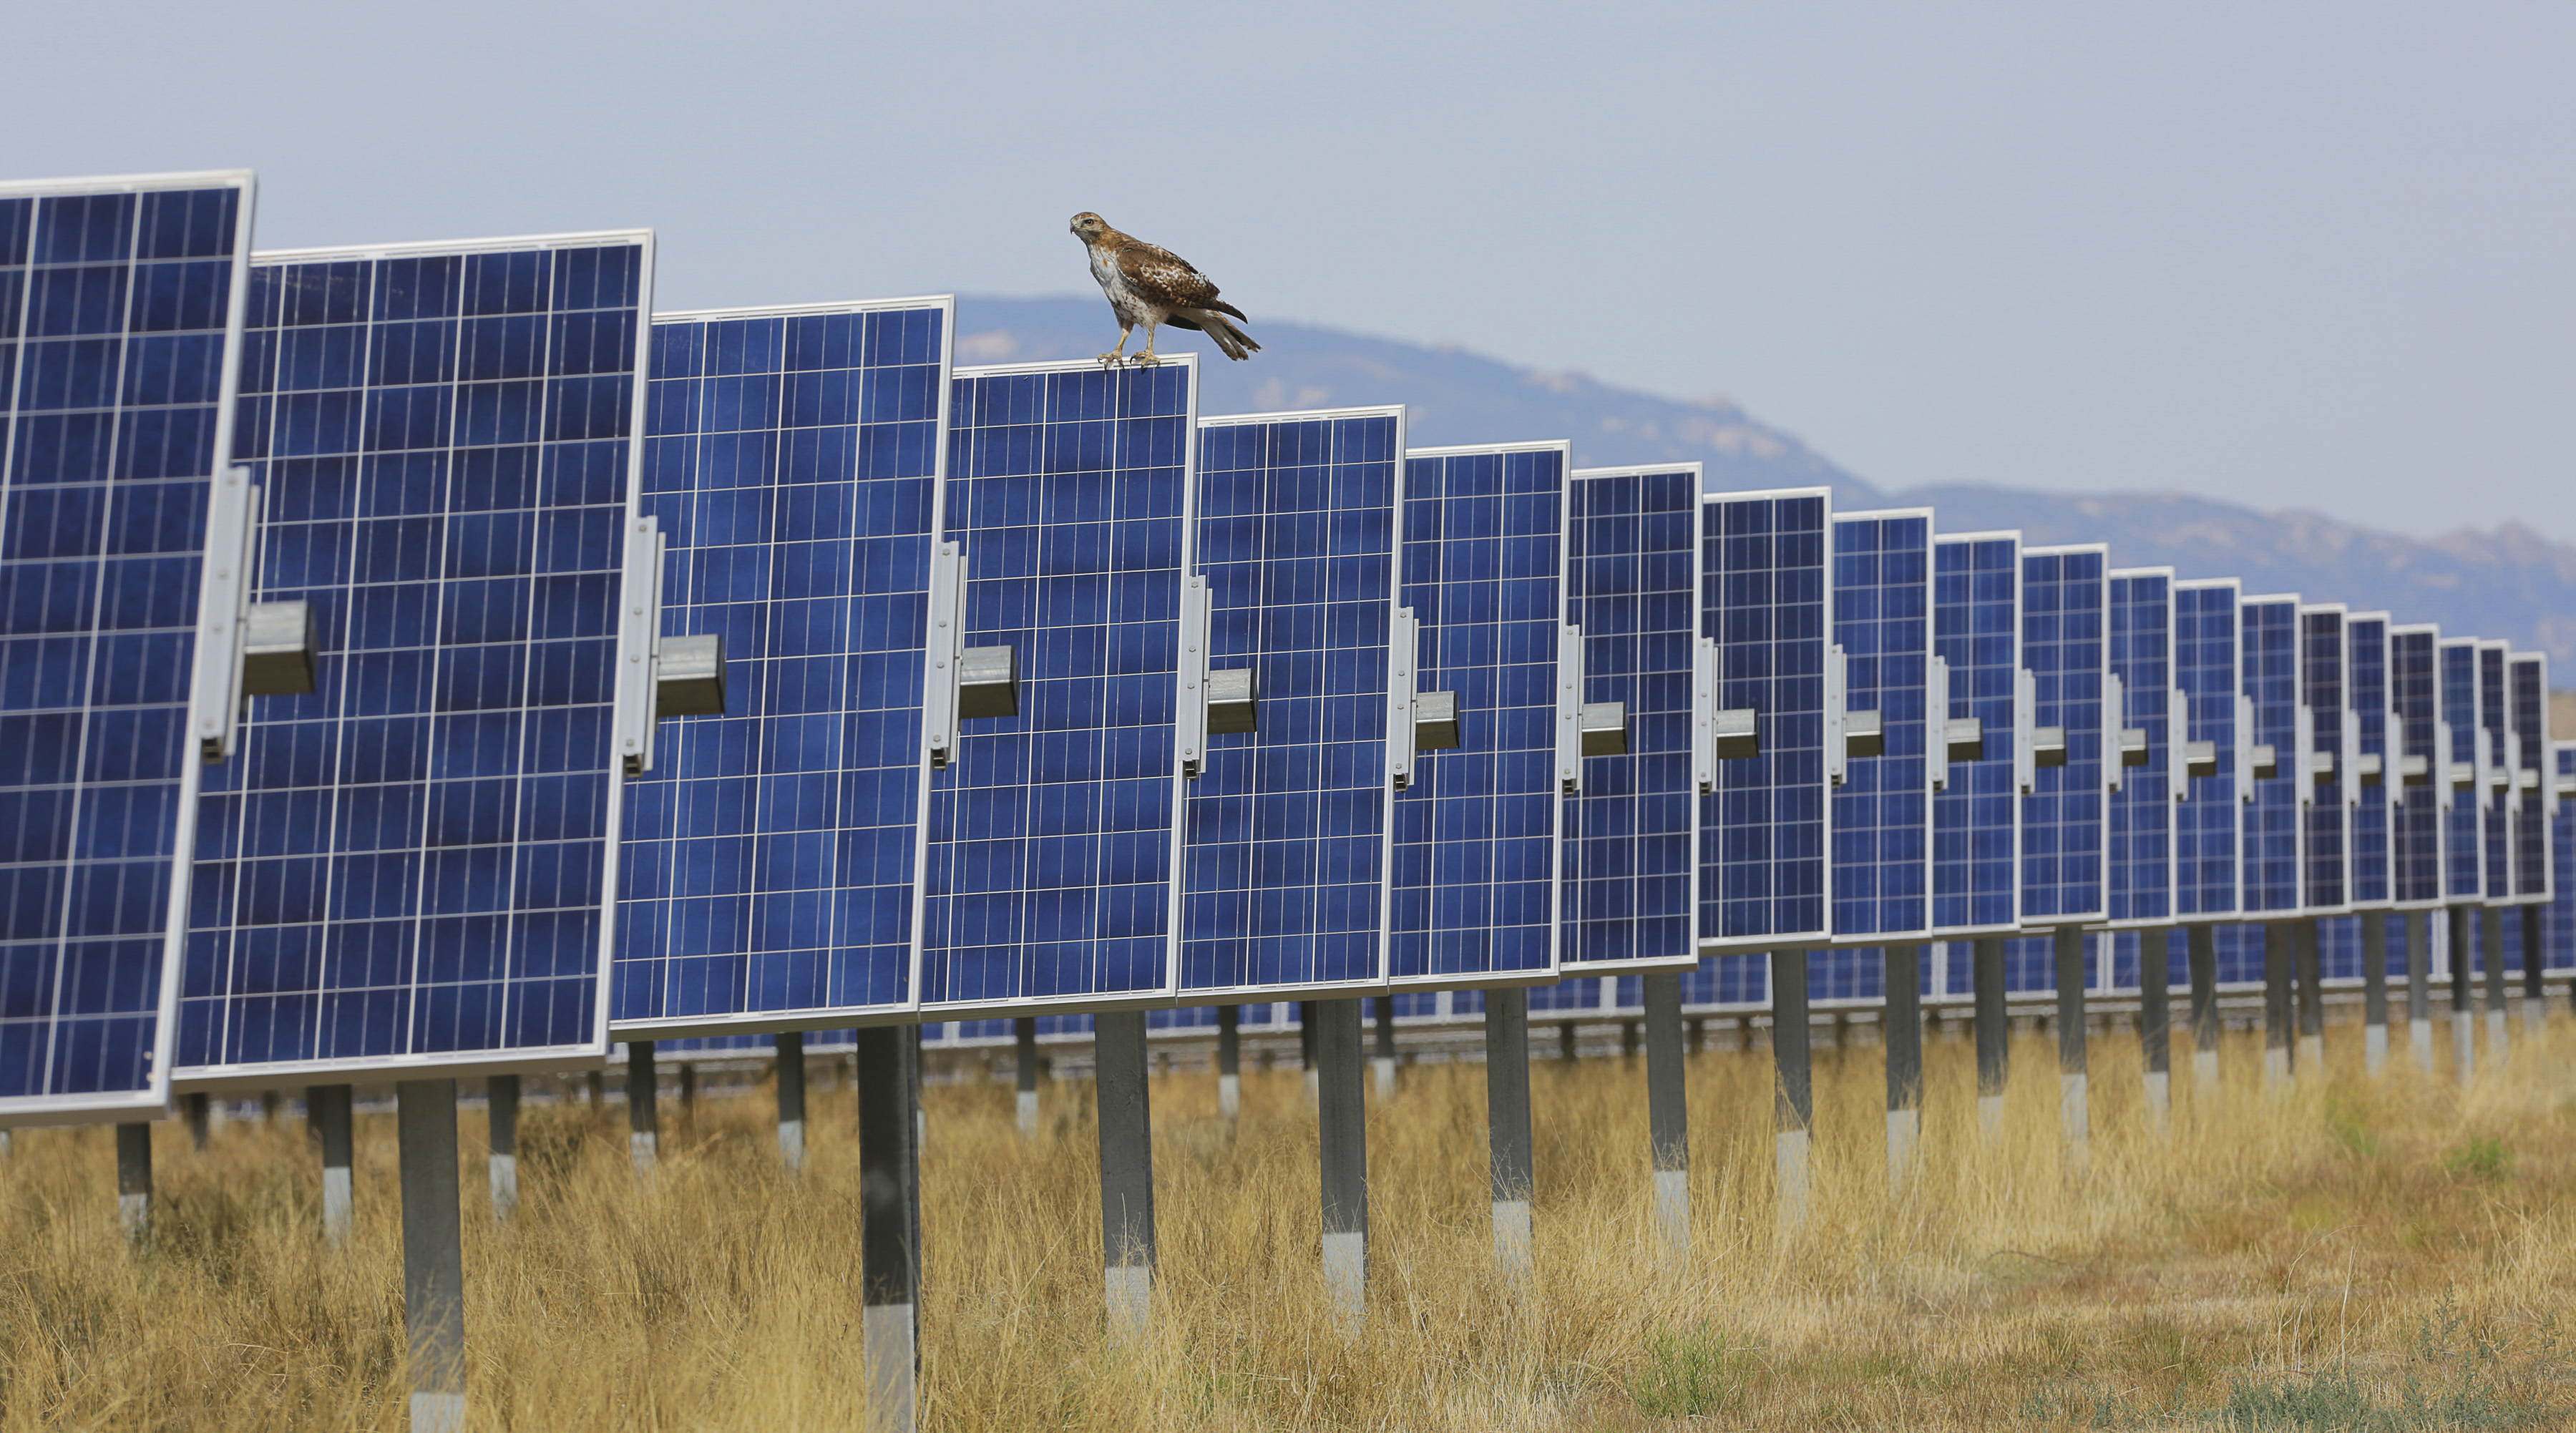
[[2352, 1253]]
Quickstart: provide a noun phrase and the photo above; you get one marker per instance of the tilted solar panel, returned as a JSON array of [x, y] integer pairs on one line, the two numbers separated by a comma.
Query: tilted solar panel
[[1767, 601], [2418, 767], [2462, 772], [121, 304], [2527, 695], [1052, 873], [2373, 787], [2559, 930], [2065, 646], [2149, 777], [412, 867], [2270, 677], [1631, 847], [2209, 825], [792, 460], [2324, 772], [2495, 772], [1290, 824], [1976, 817], [1881, 808], [1476, 829]]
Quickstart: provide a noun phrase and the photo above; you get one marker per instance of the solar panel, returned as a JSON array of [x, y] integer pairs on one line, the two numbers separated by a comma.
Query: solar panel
[[2417, 768], [2149, 774], [410, 867], [2270, 674], [1290, 823], [1476, 828], [2373, 786], [2527, 695], [1631, 836], [792, 458], [2323, 773], [2065, 647], [2495, 772], [1882, 668], [690, 1049], [2559, 930], [120, 330], [1054, 823], [1976, 817], [2462, 771], [1767, 601], [2208, 825]]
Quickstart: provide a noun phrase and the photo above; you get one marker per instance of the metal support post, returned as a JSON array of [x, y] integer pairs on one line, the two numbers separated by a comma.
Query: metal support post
[[2419, 987], [791, 1100], [1668, 1109], [2200, 953], [1793, 1107], [2155, 1020], [1024, 1049], [2312, 1002], [1341, 1128], [1565, 1041], [1383, 1062], [327, 1108], [1229, 1064], [134, 1180], [2491, 946], [433, 1255], [2280, 959], [1127, 1164], [1306, 1048], [2374, 991], [2464, 1039], [889, 1059], [1994, 1034], [643, 1118], [501, 1094], [1507, 1122], [201, 1118], [2535, 960], [1904, 1046], [2074, 1105]]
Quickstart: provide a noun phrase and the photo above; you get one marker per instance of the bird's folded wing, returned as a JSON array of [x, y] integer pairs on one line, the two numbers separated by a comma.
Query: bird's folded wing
[[1165, 276]]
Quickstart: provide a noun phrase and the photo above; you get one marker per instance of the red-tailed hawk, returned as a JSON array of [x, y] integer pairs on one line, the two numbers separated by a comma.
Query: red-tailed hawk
[[1154, 287]]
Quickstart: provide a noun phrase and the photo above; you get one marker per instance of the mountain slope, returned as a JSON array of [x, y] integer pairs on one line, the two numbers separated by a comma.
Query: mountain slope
[[2510, 582]]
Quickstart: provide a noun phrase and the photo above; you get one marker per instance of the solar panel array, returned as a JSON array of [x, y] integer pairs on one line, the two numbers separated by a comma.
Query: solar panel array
[[1033, 692]]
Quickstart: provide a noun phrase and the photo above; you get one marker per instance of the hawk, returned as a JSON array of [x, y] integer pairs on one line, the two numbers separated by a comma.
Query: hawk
[[1154, 287]]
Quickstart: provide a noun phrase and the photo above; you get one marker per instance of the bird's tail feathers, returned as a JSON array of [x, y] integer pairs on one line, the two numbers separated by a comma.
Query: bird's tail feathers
[[1232, 341]]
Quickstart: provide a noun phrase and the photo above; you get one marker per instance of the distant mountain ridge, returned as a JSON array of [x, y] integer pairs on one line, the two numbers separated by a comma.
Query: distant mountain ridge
[[2508, 582]]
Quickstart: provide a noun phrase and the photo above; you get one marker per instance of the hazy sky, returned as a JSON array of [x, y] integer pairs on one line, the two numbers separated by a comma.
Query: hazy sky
[[2320, 254]]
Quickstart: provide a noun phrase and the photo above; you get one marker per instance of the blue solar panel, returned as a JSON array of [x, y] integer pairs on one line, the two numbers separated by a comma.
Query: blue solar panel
[[1767, 601], [1290, 825], [2558, 932], [2239, 947], [2141, 863], [2269, 671], [1631, 843], [2495, 775], [120, 330], [2415, 825], [1882, 808], [2208, 825], [693, 1048], [1740, 981], [792, 459], [1054, 832], [2065, 645], [411, 867], [1976, 818], [2325, 784], [2373, 803], [2461, 772], [2527, 695], [1476, 830]]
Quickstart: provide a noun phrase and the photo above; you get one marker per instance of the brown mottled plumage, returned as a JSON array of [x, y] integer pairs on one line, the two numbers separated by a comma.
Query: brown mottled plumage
[[1154, 286]]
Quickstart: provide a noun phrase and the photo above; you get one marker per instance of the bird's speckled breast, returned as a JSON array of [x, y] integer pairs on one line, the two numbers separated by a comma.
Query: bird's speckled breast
[[1130, 306]]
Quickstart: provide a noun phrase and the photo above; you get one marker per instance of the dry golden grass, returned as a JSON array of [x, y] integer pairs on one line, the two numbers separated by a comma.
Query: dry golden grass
[[2300, 1261]]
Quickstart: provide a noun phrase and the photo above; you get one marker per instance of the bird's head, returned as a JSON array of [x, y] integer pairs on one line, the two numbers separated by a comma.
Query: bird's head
[[1088, 227]]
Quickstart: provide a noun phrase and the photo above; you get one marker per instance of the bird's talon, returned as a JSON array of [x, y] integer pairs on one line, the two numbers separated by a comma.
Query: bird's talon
[[1147, 360], [1111, 360]]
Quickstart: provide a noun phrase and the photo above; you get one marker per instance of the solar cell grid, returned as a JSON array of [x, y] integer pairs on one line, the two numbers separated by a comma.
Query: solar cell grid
[[411, 867], [1631, 835], [792, 460], [1054, 834], [2527, 692], [120, 331], [2558, 931], [2462, 772], [1484, 563], [1767, 602], [1976, 818], [2208, 827], [2495, 772], [1881, 811], [2324, 787], [1289, 827], [2416, 823], [2140, 864], [2270, 674], [2372, 804], [2065, 647]]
